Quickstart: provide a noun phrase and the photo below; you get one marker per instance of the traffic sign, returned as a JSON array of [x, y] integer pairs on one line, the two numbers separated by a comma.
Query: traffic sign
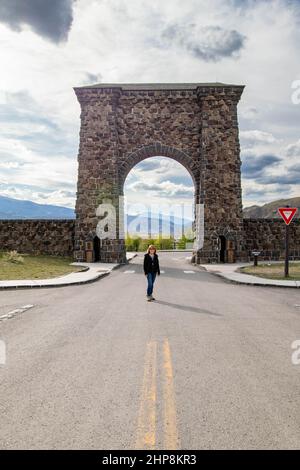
[[287, 213]]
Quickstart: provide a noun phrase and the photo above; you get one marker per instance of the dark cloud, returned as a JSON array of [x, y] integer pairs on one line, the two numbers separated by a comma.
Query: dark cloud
[[209, 43], [49, 18], [149, 164], [254, 167], [295, 168], [92, 78], [287, 179], [246, 3], [253, 193], [261, 194], [293, 150]]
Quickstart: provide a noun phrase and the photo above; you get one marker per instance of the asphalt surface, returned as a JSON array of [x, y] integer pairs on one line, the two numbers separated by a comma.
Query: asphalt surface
[[207, 365]]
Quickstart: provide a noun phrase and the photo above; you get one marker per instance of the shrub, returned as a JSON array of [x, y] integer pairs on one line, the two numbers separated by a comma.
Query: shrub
[[165, 243], [181, 243], [132, 243], [13, 257]]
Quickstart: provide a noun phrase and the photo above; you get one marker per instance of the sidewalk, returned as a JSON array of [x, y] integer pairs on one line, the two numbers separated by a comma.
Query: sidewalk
[[92, 272], [229, 272]]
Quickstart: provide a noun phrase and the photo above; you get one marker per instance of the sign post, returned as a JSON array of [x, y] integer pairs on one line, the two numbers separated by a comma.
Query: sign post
[[287, 254], [287, 213]]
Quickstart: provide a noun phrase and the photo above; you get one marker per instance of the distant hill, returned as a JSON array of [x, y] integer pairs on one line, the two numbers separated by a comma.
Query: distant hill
[[138, 225], [269, 210], [16, 209]]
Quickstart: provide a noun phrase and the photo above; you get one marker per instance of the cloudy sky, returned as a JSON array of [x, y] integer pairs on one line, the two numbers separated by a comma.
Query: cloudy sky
[[48, 47]]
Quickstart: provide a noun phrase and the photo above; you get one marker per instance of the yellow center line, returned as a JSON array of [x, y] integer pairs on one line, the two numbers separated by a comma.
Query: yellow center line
[[171, 439], [147, 413]]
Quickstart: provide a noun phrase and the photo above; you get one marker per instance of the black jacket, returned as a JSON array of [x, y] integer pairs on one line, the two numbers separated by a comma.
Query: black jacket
[[149, 266]]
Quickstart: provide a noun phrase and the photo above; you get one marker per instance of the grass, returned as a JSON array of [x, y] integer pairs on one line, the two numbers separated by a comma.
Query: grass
[[274, 270], [36, 267]]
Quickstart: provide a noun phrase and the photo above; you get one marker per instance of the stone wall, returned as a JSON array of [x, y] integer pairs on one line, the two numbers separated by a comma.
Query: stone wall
[[268, 236], [39, 236], [56, 237]]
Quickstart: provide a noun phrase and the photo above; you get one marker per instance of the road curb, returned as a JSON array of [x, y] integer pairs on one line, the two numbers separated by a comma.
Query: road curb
[[66, 284], [248, 283], [48, 286]]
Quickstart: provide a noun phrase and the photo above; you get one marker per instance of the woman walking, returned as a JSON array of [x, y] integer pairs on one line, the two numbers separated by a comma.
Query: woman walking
[[151, 268]]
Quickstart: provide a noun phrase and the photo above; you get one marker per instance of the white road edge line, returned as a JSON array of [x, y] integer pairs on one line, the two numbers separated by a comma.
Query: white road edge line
[[14, 312]]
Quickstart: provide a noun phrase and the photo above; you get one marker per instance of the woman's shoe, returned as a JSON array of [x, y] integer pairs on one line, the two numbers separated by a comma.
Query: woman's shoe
[[149, 298], [152, 298]]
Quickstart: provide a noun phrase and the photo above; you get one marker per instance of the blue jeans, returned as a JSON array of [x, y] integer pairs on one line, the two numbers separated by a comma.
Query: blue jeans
[[151, 279]]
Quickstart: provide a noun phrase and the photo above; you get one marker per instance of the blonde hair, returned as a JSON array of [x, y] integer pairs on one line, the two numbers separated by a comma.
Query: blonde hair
[[149, 248]]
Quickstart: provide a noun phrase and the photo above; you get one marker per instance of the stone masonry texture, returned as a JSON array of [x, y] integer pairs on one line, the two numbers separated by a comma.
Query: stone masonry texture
[[56, 237], [195, 124], [38, 236], [268, 236]]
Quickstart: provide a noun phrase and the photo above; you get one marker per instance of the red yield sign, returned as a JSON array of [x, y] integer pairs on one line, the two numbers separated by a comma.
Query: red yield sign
[[287, 213]]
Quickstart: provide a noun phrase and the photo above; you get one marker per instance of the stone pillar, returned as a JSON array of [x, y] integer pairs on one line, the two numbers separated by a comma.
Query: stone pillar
[[98, 181], [220, 171]]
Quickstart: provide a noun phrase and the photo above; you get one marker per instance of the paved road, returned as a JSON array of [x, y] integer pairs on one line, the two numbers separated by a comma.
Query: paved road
[[207, 365]]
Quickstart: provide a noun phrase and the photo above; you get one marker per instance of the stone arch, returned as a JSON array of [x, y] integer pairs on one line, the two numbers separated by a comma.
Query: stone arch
[[158, 149], [193, 123], [227, 232]]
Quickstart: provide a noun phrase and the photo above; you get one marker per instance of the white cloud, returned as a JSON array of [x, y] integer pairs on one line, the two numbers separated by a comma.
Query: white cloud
[[159, 181], [257, 136], [293, 150], [166, 188], [116, 41], [32, 172]]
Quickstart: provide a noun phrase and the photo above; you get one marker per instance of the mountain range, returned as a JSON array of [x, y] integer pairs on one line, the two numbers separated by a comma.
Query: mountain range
[[18, 209], [269, 210]]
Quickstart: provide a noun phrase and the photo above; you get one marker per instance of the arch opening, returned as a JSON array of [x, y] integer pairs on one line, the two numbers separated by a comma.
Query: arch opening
[[159, 199], [222, 249], [96, 248]]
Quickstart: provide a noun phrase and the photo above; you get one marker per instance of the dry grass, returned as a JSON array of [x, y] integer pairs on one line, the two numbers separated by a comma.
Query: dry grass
[[35, 267], [273, 270]]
